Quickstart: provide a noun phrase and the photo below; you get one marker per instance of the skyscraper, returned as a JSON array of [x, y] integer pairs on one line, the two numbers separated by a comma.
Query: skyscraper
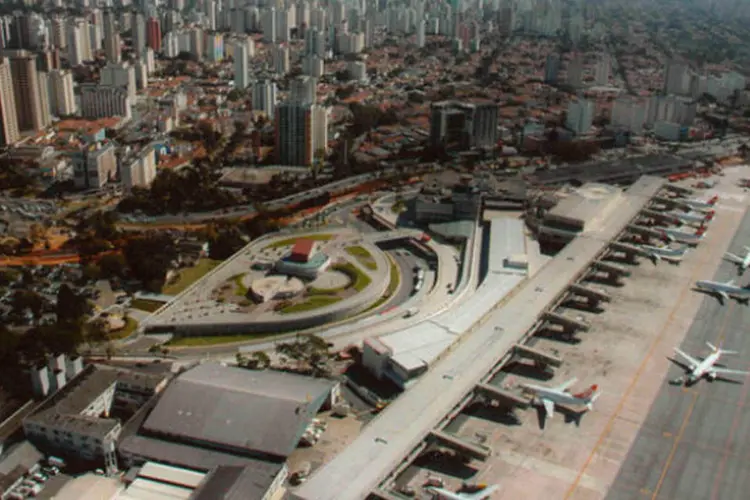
[[264, 97], [153, 34], [298, 133], [111, 38], [30, 106], [241, 65], [8, 117], [551, 69], [138, 30], [62, 99], [580, 116]]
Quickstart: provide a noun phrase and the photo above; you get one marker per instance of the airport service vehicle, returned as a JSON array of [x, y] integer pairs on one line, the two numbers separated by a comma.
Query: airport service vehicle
[[742, 262], [443, 494], [549, 396], [708, 367]]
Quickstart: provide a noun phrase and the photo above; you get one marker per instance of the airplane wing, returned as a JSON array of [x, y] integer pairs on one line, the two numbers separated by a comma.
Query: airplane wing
[[566, 385], [733, 258], [692, 362], [549, 407], [726, 371]]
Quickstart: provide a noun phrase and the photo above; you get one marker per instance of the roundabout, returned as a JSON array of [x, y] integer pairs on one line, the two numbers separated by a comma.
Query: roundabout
[[282, 284]]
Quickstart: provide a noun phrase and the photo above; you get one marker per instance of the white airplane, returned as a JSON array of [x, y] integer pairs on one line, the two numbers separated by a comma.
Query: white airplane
[[700, 204], [742, 262], [682, 236], [549, 396], [693, 217], [707, 367], [665, 253], [444, 494], [725, 291]]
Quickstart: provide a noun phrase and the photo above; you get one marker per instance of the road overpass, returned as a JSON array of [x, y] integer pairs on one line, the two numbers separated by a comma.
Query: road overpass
[[388, 442]]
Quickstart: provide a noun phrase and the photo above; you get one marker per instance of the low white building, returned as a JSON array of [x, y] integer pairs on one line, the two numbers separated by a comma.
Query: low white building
[[138, 169]]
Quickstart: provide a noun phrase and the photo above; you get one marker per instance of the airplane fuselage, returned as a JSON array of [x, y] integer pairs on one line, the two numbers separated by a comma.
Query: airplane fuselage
[[691, 217], [704, 368], [681, 236], [666, 253], [557, 397], [714, 286]]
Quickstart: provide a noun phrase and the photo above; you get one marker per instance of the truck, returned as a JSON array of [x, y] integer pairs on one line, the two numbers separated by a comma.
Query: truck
[[411, 312]]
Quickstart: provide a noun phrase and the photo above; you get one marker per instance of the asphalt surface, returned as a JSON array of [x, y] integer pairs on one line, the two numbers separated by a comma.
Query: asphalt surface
[[695, 442]]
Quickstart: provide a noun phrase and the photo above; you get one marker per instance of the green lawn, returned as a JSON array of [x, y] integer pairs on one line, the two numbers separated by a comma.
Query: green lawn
[[146, 305], [363, 256], [240, 289], [130, 326], [291, 241], [360, 280], [395, 279], [190, 275], [314, 302], [214, 340]]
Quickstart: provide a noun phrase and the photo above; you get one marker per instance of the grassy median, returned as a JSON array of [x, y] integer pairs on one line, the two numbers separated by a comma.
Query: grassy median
[[363, 256], [312, 303], [146, 304], [291, 241], [190, 275]]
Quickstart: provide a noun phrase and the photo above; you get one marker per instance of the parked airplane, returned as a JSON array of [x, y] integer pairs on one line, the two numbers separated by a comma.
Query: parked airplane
[[742, 262], [693, 217], [707, 367], [682, 236], [700, 204], [549, 396], [665, 253], [444, 494], [724, 291]]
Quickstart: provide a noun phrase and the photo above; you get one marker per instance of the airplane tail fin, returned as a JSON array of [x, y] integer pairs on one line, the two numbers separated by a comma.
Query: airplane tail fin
[[587, 394], [701, 231], [713, 200]]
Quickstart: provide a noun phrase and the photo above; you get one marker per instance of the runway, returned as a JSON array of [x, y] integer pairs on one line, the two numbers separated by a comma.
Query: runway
[[695, 442]]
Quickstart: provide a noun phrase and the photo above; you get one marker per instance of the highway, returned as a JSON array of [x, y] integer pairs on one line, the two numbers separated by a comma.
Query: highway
[[695, 442], [384, 444]]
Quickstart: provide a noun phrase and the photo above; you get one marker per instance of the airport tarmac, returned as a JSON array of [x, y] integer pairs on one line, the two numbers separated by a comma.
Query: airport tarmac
[[695, 442], [625, 353]]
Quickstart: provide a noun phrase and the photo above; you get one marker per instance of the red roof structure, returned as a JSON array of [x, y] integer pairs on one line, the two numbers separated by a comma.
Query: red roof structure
[[302, 250]]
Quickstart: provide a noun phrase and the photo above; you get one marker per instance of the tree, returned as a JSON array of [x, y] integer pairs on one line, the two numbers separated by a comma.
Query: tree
[[23, 300], [261, 360], [112, 265], [70, 307], [149, 258]]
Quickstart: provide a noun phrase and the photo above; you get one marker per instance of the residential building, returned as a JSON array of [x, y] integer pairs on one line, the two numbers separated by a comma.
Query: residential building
[[9, 132], [280, 56], [119, 75], [112, 42], [551, 69], [459, 125], [138, 32], [30, 98], [102, 101], [299, 133], [139, 168], [580, 116], [241, 65], [153, 34], [265, 97], [677, 78], [62, 98], [94, 165], [603, 70], [575, 71]]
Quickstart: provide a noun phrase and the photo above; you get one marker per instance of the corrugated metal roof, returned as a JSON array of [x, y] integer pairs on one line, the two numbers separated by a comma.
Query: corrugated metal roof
[[173, 475], [146, 489], [265, 411]]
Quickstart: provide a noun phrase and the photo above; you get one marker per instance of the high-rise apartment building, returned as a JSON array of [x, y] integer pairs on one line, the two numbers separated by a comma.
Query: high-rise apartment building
[[298, 133], [575, 71], [9, 132], [280, 56], [580, 116], [153, 34], [603, 70], [62, 99], [551, 69], [241, 65], [138, 30], [30, 106], [677, 78], [264, 97], [104, 101], [458, 125], [112, 47], [119, 75]]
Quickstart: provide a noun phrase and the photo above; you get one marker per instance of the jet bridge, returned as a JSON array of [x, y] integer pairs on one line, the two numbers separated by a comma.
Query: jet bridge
[[655, 214], [630, 250], [501, 395], [612, 269], [593, 295], [645, 231], [462, 446], [672, 203], [566, 322], [541, 359]]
